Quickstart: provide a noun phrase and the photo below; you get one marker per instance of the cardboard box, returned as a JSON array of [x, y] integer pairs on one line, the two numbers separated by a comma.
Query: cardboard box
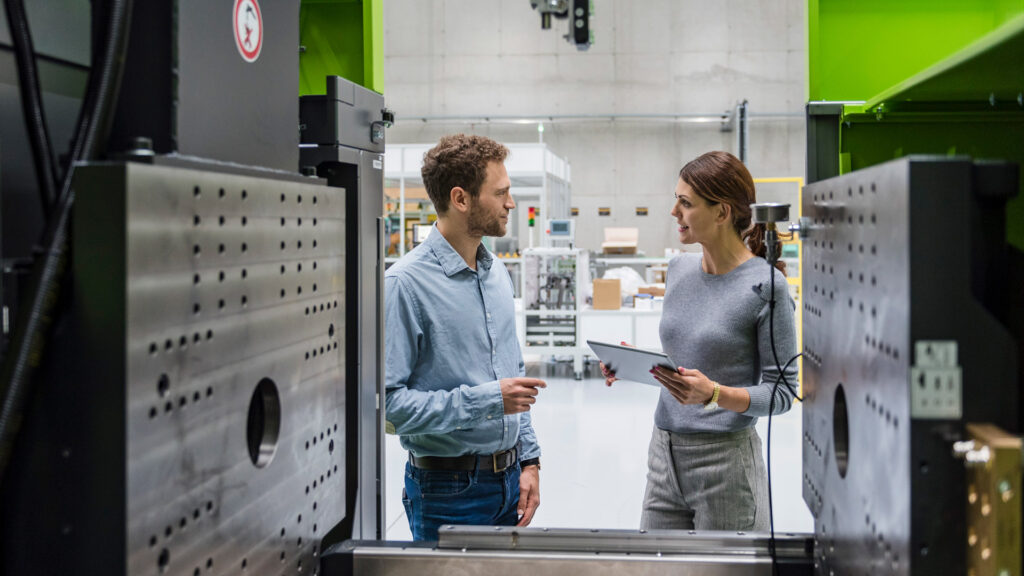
[[653, 290], [620, 240], [607, 294]]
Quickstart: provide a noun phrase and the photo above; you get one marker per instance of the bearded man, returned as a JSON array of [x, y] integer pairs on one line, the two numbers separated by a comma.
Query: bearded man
[[455, 387]]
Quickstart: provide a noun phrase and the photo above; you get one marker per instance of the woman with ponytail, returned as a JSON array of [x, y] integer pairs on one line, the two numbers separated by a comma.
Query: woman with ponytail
[[705, 469]]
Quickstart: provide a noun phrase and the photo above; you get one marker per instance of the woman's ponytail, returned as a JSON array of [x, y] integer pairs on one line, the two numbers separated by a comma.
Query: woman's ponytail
[[754, 238]]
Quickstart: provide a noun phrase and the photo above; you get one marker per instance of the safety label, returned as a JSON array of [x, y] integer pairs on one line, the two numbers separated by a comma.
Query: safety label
[[248, 23]]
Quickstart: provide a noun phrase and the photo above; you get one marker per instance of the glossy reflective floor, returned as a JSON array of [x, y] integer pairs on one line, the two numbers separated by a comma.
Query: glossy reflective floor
[[594, 441]]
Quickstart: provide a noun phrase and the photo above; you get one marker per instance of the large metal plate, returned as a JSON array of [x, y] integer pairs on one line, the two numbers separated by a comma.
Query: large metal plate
[[221, 282], [887, 266]]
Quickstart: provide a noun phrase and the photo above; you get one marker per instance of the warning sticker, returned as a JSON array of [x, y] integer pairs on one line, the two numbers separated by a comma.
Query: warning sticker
[[248, 23]]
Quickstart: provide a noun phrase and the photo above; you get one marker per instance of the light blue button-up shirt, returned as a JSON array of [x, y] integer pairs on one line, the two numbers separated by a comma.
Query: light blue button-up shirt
[[450, 337]]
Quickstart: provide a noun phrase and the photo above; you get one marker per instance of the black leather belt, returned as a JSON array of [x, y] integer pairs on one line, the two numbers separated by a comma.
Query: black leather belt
[[495, 462]]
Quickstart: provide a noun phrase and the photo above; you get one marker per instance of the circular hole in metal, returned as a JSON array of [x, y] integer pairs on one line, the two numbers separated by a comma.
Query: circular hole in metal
[[841, 431], [264, 423], [163, 560]]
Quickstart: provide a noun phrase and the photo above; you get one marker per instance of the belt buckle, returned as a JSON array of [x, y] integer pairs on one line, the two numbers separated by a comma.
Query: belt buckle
[[494, 460]]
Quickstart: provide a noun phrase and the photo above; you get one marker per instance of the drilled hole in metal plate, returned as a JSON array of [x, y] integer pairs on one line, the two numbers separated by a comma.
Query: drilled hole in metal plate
[[245, 247], [299, 199], [221, 193], [153, 348], [164, 558], [330, 446], [196, 250], [196, 192], [841, 431], [282, 244], [221, 220], [264, 423], [245, 273], [244, 220], [221, 276], [245, 194], [196, 220]]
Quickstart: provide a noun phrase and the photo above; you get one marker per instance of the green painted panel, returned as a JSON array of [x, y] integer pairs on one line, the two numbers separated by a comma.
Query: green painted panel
[[866, 141], [989, 73], [341, 38], [860, 48]]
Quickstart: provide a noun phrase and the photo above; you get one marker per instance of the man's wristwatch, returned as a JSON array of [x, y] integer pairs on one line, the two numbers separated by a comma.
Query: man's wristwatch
[[712, 404], [530, 462]]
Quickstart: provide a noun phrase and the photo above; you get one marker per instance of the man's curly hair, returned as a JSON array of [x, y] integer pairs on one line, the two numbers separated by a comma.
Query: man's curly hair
[[458, 160]]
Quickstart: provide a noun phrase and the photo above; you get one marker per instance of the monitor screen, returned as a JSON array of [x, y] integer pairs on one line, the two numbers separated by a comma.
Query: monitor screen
[[559, 227]]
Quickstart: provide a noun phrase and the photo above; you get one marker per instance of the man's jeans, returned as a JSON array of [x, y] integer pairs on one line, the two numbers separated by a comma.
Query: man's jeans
[[477, 498]]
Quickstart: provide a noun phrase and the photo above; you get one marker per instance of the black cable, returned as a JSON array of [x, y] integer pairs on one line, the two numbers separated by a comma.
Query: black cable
[[771, 409], [37, 313], [32, 104]]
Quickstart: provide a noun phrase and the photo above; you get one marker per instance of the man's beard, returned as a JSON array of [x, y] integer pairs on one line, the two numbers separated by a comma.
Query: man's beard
[[483, 224]]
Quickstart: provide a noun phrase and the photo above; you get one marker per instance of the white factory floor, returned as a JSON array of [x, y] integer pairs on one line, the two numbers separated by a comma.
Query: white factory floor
[[594, 441]]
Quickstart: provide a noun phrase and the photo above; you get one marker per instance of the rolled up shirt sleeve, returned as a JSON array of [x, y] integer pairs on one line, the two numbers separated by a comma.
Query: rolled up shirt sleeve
[[411, 412]]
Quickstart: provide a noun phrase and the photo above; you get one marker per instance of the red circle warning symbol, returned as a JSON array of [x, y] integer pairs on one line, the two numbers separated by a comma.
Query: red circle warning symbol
[[248, 23]]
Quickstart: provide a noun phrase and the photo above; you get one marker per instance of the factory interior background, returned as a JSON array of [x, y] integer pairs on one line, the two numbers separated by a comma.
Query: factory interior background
[[658, 87]]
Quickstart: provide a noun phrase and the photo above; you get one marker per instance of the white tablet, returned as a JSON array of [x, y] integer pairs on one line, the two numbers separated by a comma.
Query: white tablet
[[633, 364]]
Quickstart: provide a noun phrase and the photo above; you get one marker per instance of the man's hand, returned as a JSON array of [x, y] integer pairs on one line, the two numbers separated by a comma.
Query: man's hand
[[517, 394], [529, 494]]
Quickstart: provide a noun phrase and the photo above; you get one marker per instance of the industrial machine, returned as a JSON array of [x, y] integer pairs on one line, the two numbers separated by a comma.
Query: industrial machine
[[904, 344], [552, 280], [577, 12], [204, 398]]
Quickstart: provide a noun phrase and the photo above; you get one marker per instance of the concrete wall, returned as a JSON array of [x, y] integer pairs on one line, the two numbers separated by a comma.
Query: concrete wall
[[491, 57]]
